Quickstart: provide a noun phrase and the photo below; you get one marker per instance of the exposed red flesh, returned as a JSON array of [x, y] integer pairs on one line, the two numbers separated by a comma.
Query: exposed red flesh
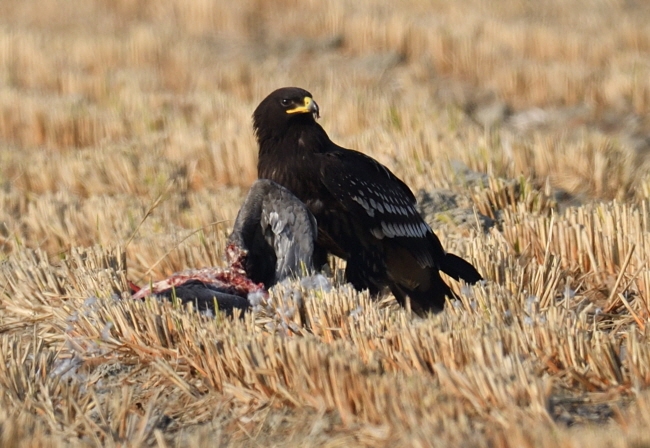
[[230, 280]]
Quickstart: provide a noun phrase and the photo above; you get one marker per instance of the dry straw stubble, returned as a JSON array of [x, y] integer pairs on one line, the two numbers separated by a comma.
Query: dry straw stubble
[[125, 140]]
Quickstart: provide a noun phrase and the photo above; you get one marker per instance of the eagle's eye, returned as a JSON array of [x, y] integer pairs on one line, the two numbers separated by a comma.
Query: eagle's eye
[[285, 102]]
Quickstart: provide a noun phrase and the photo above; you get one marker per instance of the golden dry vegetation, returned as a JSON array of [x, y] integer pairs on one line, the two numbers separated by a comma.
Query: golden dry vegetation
[[125, 142]]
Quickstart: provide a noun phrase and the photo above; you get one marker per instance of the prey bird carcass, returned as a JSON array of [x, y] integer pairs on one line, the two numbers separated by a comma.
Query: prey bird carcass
[[273, 238]]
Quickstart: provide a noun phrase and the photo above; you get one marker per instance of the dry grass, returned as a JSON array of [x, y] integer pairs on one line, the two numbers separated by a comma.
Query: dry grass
[[125, 140]]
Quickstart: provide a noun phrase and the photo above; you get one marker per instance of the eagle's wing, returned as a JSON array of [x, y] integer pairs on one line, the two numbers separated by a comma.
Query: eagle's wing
[[383, 204], [371, 193]]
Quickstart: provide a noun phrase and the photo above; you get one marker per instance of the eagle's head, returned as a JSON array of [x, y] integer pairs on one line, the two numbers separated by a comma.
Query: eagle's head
[[282, 108]]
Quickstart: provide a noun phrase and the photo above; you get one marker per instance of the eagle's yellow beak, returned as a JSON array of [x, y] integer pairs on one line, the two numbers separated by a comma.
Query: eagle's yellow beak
[[309, 106]]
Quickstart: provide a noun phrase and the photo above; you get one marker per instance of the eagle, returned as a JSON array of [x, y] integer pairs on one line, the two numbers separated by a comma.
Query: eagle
[[364, 213]]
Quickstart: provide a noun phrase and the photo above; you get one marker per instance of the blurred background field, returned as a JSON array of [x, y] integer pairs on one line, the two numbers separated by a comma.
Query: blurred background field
[[126, 148]]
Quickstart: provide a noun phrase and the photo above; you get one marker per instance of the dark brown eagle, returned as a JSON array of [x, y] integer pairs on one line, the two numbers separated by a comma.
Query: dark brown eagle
[[365, 214]]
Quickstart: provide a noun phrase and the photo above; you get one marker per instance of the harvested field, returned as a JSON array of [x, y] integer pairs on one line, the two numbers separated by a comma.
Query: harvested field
[[126, 149]]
